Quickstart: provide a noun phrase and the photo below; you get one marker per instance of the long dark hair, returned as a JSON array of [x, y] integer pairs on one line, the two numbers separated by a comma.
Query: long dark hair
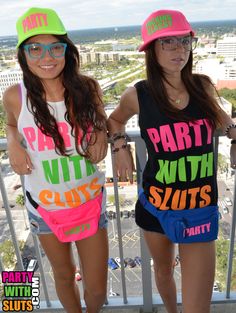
[[81, 96], [195, 84]]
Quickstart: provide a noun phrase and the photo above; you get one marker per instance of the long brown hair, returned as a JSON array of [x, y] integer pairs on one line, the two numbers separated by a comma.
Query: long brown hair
[[196, 85], [81, 96]]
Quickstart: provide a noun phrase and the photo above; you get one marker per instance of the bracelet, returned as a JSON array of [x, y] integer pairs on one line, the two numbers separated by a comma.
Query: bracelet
[[118, 136], [124, 146], [228, 129], [233, 142]]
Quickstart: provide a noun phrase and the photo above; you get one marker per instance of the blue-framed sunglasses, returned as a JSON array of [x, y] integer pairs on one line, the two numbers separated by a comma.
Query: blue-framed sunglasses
[[38, 50]]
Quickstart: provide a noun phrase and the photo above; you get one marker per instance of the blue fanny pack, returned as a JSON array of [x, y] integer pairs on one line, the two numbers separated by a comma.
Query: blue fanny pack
[[186, 226]]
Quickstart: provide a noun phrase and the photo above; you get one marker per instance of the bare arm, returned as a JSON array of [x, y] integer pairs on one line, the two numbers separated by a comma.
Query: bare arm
[[98, 150], [19, 158], [229, 131], [116, 124]]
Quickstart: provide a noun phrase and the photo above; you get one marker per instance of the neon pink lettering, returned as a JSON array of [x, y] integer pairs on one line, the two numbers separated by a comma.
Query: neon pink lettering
[[154, 137], [26, 23], [209, 130], [30, 136], [4, 277], [197, 131], [197, 230], [182, 135], [208, 226], [34, 21], [64, 131], [167, 138], [44, 142]]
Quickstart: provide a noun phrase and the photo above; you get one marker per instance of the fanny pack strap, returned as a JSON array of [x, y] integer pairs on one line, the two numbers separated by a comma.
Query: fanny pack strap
[[147, 205], [31, 200]]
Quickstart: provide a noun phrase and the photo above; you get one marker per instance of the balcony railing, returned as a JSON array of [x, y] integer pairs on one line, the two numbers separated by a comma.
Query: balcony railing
[[147, 299]]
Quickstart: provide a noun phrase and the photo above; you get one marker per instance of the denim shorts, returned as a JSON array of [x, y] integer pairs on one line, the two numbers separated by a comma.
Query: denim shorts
[[39, 227]]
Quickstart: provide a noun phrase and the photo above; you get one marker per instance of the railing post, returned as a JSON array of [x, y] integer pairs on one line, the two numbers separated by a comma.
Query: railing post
[[118, 223], [232, 241], [10, 222], [42, 277], [145, 256]]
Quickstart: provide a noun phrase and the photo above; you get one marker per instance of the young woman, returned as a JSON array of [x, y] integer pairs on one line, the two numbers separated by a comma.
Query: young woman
[[178, 113], [56, 131]]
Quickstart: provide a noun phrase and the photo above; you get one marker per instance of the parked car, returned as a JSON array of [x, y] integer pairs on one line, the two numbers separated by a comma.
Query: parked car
[[138, 260], [112, 264], [78, 275], [216, 287], [225, 210], [228, 201], [177, 260], [132, 213], [32, 264], [130, 262], [117, 259], [25, 262], [111, 215], [126, 214]]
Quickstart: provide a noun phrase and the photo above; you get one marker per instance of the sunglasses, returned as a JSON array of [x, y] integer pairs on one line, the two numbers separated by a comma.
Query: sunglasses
[[172, 43], [38, 50]]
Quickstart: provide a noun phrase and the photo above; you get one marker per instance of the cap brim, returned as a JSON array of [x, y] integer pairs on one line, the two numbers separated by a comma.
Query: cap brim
[[32, 34], [144, 46]]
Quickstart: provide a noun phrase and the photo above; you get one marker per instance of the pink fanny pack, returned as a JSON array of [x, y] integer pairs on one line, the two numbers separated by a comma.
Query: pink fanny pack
[[72, 224]]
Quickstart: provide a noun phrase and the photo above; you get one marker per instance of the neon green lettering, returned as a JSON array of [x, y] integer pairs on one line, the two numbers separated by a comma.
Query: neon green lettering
[[167, 172], [90, 169], [51, 173], [194, 162], [207, 165], [76, 163]]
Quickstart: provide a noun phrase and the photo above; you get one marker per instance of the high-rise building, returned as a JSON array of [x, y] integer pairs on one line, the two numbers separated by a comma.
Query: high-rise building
[[226, 47], [8, 78]]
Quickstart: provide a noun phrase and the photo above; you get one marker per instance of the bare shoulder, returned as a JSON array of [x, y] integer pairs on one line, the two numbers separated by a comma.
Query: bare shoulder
[[11, 98], [12, 104], [129, 100]]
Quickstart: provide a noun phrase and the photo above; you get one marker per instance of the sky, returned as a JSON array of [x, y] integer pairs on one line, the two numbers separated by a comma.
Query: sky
[[85, 14]]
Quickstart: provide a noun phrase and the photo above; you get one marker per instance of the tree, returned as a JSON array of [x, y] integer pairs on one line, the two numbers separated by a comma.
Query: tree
[[222, 163], [222, 248], [8, 254], [230, 95]]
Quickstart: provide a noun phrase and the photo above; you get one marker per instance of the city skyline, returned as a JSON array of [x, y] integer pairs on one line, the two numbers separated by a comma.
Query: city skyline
[[114, 13]]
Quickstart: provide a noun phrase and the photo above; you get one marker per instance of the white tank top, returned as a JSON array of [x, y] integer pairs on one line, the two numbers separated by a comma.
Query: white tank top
[[56, 182]]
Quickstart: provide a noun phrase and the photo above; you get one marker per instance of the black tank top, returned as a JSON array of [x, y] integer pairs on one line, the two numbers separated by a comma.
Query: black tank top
[[180, 172]]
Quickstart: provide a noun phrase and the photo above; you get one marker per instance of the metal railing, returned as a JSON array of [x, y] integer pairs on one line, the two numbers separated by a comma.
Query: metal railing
[[147, 301]]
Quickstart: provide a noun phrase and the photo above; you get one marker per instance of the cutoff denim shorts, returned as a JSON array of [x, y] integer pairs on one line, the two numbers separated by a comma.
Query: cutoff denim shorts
[[39, 227]]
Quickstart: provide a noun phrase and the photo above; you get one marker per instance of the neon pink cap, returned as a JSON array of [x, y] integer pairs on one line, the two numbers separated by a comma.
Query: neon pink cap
[[163, 23]]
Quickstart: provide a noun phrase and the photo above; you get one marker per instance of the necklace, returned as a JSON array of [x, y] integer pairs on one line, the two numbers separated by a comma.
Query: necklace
[[176, 101]]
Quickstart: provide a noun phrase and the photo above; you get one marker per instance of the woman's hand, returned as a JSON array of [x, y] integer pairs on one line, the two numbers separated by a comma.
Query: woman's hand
[[19, 159], [98, 150], [124, 164], [233, 156]]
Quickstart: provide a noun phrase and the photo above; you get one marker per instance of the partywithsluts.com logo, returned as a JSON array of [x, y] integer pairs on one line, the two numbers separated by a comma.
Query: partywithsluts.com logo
[[20, 291]]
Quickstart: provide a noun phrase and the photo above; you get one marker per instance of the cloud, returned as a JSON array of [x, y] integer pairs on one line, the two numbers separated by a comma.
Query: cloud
[[106, 13]]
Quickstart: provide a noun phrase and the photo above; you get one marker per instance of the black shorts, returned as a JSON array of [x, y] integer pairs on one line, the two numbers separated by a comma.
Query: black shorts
[[146, 220]]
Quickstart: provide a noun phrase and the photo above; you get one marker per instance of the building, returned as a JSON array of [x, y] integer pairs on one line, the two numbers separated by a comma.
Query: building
[[98, 57], [222, 73], [8, 78], [226, 47]]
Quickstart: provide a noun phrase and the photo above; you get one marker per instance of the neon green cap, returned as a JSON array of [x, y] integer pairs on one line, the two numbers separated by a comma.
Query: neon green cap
[[38, 21]]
